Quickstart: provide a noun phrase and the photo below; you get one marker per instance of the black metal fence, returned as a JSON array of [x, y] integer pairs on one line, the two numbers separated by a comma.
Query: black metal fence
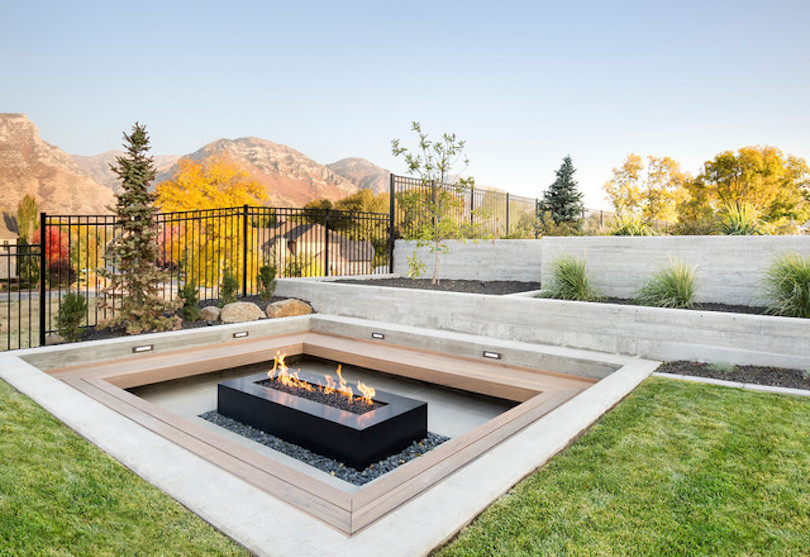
[[200, 246], [193, 246], [20, 303], [491, 212]]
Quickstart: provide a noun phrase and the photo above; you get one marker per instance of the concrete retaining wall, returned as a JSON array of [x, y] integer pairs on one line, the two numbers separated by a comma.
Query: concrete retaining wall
[[482, 260], [729, 268], [662, 334]]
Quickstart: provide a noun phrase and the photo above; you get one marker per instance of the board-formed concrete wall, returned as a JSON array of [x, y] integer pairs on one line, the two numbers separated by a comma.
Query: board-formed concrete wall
[[477, 260], [729, 268], [655, 333]]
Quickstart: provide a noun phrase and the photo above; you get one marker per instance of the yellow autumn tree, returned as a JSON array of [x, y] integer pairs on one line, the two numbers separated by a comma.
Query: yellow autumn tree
[[212, 183], [652, 193], [208, 240], [774, 184]]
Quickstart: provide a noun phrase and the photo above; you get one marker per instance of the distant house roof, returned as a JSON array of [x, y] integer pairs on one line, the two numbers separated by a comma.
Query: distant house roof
[[309, 238], [805, 228]]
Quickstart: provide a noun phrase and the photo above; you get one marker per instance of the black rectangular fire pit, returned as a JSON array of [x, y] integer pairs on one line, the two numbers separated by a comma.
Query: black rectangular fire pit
[[354, 439]]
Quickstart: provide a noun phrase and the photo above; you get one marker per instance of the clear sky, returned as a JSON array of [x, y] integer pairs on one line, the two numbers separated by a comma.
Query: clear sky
[[525, 83]]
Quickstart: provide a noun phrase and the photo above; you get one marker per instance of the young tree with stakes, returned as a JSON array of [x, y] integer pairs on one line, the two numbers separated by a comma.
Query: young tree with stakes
[[132, 291], [563, 200]]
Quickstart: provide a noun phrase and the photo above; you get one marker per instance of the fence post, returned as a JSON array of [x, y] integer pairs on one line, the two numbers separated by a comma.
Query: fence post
[[244, 250], [43, 269], [507, 214], [391, 212], [326, 244], [472, 205]]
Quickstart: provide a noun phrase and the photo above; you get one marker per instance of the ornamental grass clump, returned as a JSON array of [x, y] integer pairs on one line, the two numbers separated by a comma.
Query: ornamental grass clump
[[740, 220], [671, 287], [787, 286], [569, 281], [631, 225]]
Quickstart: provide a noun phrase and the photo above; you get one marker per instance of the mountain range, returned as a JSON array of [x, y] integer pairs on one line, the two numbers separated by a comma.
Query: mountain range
[[75, 184], [30, 166]]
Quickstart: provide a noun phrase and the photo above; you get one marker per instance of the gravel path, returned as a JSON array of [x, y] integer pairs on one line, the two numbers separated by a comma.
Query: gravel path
[[333, 467], [758, 375]]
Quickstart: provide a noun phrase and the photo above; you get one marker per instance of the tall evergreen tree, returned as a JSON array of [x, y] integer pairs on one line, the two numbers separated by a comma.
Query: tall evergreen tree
[[562, 199], [134, 282]]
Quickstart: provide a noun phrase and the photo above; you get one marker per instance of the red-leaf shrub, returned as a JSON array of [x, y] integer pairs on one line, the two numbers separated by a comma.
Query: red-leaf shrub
[[58, 248]]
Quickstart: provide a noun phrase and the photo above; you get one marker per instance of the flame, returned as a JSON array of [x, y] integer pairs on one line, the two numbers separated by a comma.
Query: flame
[[368, 392], [282, 374], [344, 388], [330, 385], [285, 377]]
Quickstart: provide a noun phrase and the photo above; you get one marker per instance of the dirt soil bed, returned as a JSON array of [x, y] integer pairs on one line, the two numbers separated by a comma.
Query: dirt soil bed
[[97, 333], [496, 288], [758, 375], [728, 308]]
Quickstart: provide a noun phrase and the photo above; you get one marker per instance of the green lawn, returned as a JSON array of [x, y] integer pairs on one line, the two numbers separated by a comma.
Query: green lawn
[[676, 469], [60, 495]]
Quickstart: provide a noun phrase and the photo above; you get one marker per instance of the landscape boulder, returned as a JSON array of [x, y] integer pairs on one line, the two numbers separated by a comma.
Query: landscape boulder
[[288, 308], [239, 312], [210, 313]]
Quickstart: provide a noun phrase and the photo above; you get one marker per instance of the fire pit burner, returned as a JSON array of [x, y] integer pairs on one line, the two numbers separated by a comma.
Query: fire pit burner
[[355, 439], [356, 406]]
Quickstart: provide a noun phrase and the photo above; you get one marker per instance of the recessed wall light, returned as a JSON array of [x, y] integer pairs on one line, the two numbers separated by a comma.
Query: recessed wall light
[[493, 355], [240, 334], [378, 336], [143, 348]]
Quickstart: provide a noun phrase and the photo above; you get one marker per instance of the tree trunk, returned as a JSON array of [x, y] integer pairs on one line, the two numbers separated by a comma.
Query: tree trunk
[[436, 254]]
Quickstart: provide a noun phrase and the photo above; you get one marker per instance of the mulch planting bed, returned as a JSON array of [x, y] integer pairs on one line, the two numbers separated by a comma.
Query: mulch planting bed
[[729, 308], [758, 375], [96, 333], [496, 287]]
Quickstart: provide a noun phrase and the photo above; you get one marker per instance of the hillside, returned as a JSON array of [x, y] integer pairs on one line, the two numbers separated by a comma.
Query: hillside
[[29, 165], [98, 166], [290, 178], [364, 174], [76, 184]]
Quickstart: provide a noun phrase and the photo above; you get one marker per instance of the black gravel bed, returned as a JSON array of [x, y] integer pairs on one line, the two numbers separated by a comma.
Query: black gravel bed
[[495, 287], [97, 333], [758, 375], [333, 467], [334, 400], [728, 308]]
